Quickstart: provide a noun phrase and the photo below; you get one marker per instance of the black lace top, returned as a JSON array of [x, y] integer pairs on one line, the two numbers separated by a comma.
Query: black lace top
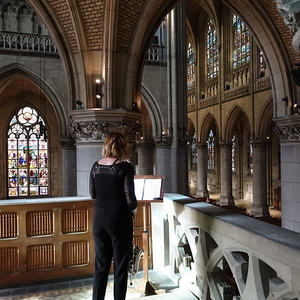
[[113, 186]]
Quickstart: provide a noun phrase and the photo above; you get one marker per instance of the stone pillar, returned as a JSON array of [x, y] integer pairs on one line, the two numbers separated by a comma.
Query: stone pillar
[[89, 128], [69, 167], [259, 204], [202, 171], [226, 197], [145, 158], [288, 130], [163, 164]]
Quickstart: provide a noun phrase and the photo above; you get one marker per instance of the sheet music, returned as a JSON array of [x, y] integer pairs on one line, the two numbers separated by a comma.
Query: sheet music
[[139, 188], [152, 189]]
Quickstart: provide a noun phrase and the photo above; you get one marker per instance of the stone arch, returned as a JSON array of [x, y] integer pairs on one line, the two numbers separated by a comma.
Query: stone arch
[[51, 22], [208, 121], [8, 72], [154, 111], [265, 121], [261, 28], [270, 43], [191, 128], [236, 114]]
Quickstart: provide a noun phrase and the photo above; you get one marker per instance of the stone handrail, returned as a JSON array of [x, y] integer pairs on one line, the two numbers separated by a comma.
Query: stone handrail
[[218, 254], [29, 43]]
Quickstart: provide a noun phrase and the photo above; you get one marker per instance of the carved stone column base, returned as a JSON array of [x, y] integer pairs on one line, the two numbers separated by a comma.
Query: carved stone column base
[[260, 211], [226, 200], [201, 194]]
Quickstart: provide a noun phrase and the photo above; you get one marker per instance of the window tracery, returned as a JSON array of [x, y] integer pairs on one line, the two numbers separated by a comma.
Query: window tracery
[[233, 154], [27, 151], [191, 66], [212, 54], [240, 42]]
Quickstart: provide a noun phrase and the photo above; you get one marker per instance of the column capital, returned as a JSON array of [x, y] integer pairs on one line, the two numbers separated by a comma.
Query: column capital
[[92, 125], [288, 129]]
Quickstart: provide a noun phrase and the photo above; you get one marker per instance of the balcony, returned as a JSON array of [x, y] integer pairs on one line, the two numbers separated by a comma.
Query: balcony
[[25, 43]]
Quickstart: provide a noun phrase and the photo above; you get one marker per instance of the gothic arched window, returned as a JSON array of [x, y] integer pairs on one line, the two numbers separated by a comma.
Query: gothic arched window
[[191, 68], [240, 42], [212, 51], [211, 150], [261, 64], [233, 154], [250, 157], [27, 154]]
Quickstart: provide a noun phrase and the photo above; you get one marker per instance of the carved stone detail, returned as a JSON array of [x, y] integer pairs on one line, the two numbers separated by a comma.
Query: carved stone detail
[[290, 11], [289, 133], [98, 130]]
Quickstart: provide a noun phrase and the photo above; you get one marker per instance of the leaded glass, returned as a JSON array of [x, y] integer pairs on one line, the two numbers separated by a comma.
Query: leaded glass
[[27, 155], [194, 149], [211, 150], [191, 69], [233, 154], [250, 157], [240, 42], [261, 64], [212, 51]]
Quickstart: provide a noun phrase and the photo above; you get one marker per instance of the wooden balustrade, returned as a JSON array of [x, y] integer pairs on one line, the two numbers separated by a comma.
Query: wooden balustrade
[[46, 239]]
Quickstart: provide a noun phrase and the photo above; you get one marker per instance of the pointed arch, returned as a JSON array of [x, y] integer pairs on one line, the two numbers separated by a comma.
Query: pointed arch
[[7, 74], [236, 114], [154, 111], [264, 127], [208, 121]]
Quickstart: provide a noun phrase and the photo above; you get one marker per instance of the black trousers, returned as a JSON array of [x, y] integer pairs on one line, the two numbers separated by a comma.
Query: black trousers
[[113, 238]]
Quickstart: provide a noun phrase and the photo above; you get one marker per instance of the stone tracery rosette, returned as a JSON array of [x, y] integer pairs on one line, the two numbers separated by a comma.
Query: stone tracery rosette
[[98, 130]]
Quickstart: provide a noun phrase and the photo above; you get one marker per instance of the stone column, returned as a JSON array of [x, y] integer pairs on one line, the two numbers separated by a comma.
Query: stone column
[[202, 171], [145, 157], [163, 164], [89, 128], [259, 204], [288, 130], [226, 197]]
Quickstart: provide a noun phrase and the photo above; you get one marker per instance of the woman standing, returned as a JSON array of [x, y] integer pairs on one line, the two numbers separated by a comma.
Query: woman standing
[[112, 187]]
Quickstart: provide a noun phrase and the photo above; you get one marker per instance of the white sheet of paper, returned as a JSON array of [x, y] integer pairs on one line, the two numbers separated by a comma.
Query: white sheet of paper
[[152, 189], [139, 188]]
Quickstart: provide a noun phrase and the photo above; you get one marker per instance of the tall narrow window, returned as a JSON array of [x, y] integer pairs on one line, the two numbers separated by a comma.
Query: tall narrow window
[[250, 157], [211, 150], [194, 149], [261, 64], [27, 149], [212, 51], [233, 154], [240, 42], [191, 69]]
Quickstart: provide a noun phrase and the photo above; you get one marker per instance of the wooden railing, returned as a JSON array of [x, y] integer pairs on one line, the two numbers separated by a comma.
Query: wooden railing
[[45, 239]]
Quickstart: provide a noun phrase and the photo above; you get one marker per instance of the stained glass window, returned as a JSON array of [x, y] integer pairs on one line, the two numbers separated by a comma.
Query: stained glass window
[[212, 51], [240, 42], [261, 64], [191, 68], [233, 153], [194, 149], [27, 152], [211, 150], [250, 157]]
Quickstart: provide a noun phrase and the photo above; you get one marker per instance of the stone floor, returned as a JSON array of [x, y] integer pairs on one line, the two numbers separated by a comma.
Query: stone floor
[[81, 289]]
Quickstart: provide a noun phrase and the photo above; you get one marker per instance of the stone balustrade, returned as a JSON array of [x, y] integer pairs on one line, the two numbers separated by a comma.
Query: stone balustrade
[[218, 254], [29, 43]]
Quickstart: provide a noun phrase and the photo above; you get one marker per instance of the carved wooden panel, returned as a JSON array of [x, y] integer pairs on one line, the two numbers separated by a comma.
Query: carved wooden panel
[[8, 225], [75, 253], [74, 220], [40, 257], [9, 260], [39, 223]]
